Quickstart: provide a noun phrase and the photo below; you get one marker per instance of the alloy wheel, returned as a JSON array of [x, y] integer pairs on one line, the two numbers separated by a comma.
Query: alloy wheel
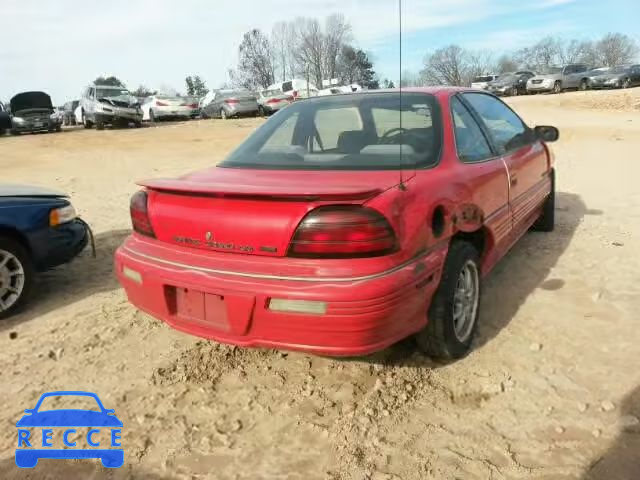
[[11, 279], [465, 301]]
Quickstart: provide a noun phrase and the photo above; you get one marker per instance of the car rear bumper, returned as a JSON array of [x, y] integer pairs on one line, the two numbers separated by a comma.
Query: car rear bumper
[[169, 112], [539, 88], [363, 314], [241, 110]]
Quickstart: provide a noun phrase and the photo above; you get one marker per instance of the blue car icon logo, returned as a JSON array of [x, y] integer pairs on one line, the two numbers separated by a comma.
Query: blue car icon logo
[[31, 447]]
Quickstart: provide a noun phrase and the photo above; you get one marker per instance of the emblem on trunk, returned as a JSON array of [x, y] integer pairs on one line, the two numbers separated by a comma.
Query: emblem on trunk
[[208, 236]]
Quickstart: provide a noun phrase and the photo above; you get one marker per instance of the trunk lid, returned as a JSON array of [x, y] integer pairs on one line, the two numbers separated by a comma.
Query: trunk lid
[[253, 212]]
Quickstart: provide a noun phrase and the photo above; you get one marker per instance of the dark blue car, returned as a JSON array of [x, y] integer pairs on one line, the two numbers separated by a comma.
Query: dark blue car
[[39, 230], [67, 420]]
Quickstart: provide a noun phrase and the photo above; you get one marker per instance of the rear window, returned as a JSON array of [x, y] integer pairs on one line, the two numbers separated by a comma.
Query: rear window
[[361, 131], [287, 86]]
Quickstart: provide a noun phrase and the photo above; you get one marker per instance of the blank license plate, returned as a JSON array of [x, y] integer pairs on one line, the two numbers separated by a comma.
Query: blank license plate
[[201, 308]]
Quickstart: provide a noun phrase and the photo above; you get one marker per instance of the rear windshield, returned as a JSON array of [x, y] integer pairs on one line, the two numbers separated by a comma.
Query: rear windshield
[[346, 132], [483, 79]]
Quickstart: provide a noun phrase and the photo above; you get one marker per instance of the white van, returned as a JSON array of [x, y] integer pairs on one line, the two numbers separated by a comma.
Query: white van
[[296, 88]]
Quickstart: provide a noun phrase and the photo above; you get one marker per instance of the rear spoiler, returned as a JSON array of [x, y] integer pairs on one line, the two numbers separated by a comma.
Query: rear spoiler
[[289, 192]]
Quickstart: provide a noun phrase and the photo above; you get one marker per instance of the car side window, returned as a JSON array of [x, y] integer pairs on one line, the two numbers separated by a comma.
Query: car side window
[[471, 144], [507, 130]]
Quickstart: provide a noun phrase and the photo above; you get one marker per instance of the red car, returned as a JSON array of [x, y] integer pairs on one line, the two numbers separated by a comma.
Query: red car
[[344, 224]]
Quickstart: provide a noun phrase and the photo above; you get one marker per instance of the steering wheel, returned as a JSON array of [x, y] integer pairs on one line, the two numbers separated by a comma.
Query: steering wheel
[[392, 133]]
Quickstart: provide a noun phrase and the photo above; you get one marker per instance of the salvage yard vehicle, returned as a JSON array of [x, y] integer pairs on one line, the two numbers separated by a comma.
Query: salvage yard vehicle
[[510, 84], [554, 79], [39, 230], [483, 81], [296, 88], [231, 103], [270, 101], [582, 80], [623, 76], [108, 105], [69, 116], [5, 119], [342, 225], [157, 107], [33, 112]]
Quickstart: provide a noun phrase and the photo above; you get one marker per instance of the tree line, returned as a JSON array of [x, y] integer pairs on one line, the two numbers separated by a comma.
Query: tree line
[[457, 66], [303, 48]]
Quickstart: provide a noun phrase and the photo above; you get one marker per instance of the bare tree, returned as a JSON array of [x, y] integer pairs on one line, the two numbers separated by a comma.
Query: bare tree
[[616, 49], [310, 49], [284, 41], [506, 64], [337, 32], [256, 63], [445, 66], [410, 79], [478, 63], [545, 53]]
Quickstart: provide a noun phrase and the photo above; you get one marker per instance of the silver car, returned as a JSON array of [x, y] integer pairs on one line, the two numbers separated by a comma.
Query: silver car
[[554, 79], [104, 104], [270, 101], [231, 103]]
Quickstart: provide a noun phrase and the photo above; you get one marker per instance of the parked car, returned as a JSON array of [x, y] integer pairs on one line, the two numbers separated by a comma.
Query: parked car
[[582, 80], [39, 230], [69, 116], [554, 79], [33, 112], [296, 88], [5, 119], [333, 229], [107, 105], [482, 82], [157, 107], [231, 103], [623, 76], [511, 84], [270, 101], [330, 91]]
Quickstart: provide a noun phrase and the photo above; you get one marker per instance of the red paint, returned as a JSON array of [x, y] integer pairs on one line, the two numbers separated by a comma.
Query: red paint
[[220, 288]]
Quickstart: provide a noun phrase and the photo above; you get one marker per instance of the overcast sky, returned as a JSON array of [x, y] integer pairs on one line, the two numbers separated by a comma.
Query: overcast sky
[[61, 45]]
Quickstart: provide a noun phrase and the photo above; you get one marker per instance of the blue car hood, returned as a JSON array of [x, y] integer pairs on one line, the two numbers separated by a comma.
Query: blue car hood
[[69, 418], [17, 190]]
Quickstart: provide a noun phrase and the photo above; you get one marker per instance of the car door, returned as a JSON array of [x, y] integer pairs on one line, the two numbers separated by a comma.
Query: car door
[[524, 155], [635, 75], [488, 178], [90, 106]]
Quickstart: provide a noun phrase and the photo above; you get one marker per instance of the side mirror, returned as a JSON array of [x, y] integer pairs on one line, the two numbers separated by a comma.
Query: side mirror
[[547, 133]]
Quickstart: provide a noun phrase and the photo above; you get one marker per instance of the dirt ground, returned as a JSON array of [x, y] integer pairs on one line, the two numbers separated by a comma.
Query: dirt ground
[[551, 391]]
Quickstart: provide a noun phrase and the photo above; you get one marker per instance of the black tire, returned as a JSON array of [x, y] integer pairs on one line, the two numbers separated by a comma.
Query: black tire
[[438, 339], [625, 83], [59, 128], [152, 116], [514, 91], [22, 255], [557, 87], [86, 122], [65, 121], [137, 124], [584, 85], [547, 220], [99, 125], [223, 114], [261, 112]]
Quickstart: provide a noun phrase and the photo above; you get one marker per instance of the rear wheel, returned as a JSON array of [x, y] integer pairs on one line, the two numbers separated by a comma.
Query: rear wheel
[[16, 276], [583, 84], [626, 83], [514, 91], [99, 125], [557, 87], [261, 111], [547, 220], [152, 116], [223, 114], [453, 313]]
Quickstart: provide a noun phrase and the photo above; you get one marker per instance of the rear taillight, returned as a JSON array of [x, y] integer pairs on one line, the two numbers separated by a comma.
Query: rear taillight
[[271, 101], [140, 214], [161, 104], [343, 232], [193, 105], [231, 101]]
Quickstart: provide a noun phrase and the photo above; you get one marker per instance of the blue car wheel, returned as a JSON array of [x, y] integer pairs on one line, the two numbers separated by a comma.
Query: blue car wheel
[[16, 276]]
